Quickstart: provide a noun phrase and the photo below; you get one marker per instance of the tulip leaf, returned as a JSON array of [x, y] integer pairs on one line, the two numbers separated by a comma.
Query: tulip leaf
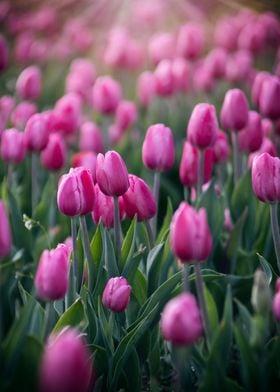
[[266, 268], [132, 265], [73, 317], [166, 223], [96, 245], [140, 287], [129, 243], [212, 309], [153, 266], [109, 254]]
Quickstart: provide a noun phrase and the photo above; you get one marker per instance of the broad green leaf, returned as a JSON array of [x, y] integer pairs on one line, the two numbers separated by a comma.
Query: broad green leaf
[[96, 245], [73, 317], [166, 223], [140, 287], [129, 243], [212, 309], [109, 254], [266, 268]]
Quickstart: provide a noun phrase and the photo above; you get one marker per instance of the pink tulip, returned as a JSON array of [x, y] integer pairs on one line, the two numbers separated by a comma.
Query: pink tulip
[[21, 114], [235, 110], [146, 88], [29, 83], [54, 154], [267, 126], [106, 95], [5, 232], [265, 177], [226, 33], [85, 68], [216, 62], [67, 114], [269, 100], [36, 133], [164, 77], [116, 295], [86, 159], [161, 47], [181, 321], [252, 37], [221, 148], [276, 306], [52, 275], [111, 174], [12, 146], [181, 70], [7, 104], [239, 66], [203, 126], [4, 53], [190, 235], [126, 114], [203, 80], [139, 199], [66, 364], [257, 86], [75, 195], [91, 138], [190, 41], [267, 146], [158, 150], [250, 138]]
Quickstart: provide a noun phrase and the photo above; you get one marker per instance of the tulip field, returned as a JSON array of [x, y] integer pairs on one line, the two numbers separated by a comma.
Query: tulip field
[[139, 190]]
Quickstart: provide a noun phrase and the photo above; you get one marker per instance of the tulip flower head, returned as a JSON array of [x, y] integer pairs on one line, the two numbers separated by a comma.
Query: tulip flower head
[[265, 178], [116, 295], [5, 232]]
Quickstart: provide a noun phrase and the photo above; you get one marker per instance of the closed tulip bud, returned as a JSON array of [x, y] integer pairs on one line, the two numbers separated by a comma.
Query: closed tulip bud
[[5, 232], [267, 146], [164, 77], [190, 235], [203, 80], [7, 104], [67, 114], [221, 149], [181, 70], [267, 126], [54, 155], [91, 137], [239, 67], [52, 275], [261, 295], [257, 86], [158, 150], [75, 83], [85, 67], [86, 159], [111, 174], [190, 41], [146, 88], [250, 138], [21, 114], [139, 199], [181, 321], [276, 301], [29, 83], [189, 165], [265, 177], [203, 126], [103, 209], [235, 110], [106, 95], [226, 33], [252, 37], [115, 134], [126, 114], [216, 62], [75, 195], [4, 53], [12, 146], [66, 364], [270, 98], [36, 133], [161, 47], [116, 295]]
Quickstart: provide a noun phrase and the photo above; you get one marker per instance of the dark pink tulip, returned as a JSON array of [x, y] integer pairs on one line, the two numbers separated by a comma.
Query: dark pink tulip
[[267, 126], [226, 33], [161, 47], [164, 77], [139, 199], [66, 364], [12, 146], [29, 83], [272, 27], [276, 301], [103, 208], [269, 100], [23, 47], [190, 235], [85, 68], [203, 80], [111, 174], [7, 104], [158, 150], [267, 146], [21, 114], [216, 62], [52, 275], [4, 53], [36, 133], [265, 177], [115, 134], [181, 72], [203, 126], [181, 321], [5, 232], [91, 138], [252, 37], [75, 195], [239, 66], [235, 110], [250, 138], [67, 114], [86, 159], [126, 114], [53, 156], [106, 95], [190, 41], [75, 83], [146, 88], [221, 148], [116, 295], [78, 34]]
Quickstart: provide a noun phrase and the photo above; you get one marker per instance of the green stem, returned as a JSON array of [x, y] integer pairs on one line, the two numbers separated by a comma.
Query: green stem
[[275, 231], [150, 233], [48, 319], [200, 172], [156, 187], [117, 231], [75, 251], [185, 271], [87, 250], [236, 157]]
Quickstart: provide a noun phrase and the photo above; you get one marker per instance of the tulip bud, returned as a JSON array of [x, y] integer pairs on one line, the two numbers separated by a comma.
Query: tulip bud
[[158, 150], [265, 177], [239, 67], [261, 296], [52, 275], [257, 86], [235, 111], [270, 98], [21, 114], [126, 114], [276, 301], [103, 208], [106, 95], [75, 195], [86, 159], [146, 88], [5, 232], [66, 364], [216, 62], [12, 146], [221, 149], [36, 133], [190, 234], [29, 83], [250, 138], [190, 41], [181, 321], [116, 295], [67, 114], [267, 146], [4, 53], [91, 138], [115, 134], [54, 155], [203, 126], [161, 47], [85, 68], [111, 174], [164, 77], [139, 199], [181, 70]]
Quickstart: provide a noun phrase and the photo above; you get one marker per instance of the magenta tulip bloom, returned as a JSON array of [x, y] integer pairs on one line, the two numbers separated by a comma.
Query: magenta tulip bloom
[[106, 95], [139, 199], [164, 77], [66, 364], [29, 83], [257, 86], [221, 149], [267, 146], [276, 301], [181, 321], [190, 235], [111, 174], [181, 70], [235, 110], [250, 138], [190, 41], [146, 88], [203, 126], [91, 138], [67, 114], [265, 178], [5, 232], [126, 114], [54, 155], [116, 295], [12, 146], [86, 159], [158, 151], [270, 98], [4, 53], [36, 132], [21, 114], [52, 275], [75, 195]]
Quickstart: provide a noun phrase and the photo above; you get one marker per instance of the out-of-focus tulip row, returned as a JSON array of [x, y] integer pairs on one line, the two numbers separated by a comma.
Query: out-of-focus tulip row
[[139, 190]]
